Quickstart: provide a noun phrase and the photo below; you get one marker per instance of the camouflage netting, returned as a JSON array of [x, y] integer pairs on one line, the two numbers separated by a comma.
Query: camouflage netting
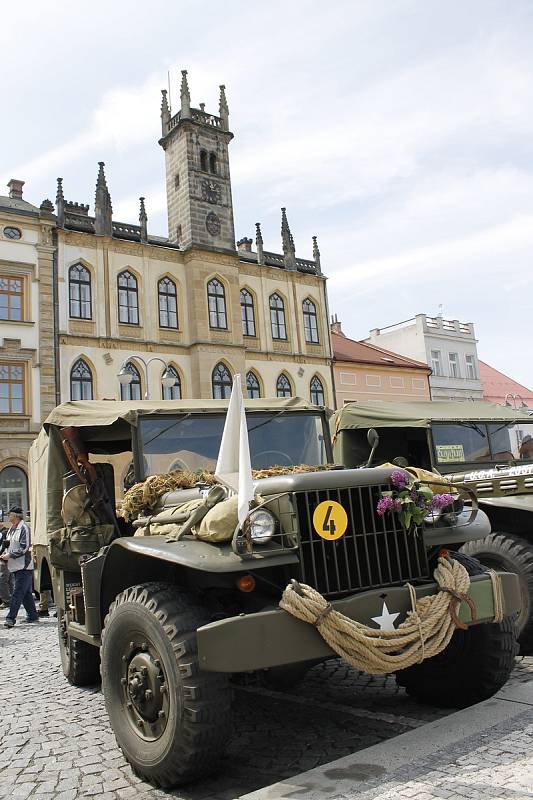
[[144, 496]]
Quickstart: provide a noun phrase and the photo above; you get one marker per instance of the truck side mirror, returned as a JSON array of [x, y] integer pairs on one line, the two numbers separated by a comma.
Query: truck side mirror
[[373, 440]]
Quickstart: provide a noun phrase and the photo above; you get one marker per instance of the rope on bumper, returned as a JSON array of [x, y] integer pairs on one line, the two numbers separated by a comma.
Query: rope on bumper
[[425, 633]]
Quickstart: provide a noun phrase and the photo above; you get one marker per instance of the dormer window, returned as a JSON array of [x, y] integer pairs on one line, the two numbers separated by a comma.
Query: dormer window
[[212, 163], [203, 160]]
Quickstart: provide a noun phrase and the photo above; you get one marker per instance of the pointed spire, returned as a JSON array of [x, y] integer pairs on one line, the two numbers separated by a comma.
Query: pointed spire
[[143, 221], [259, 243], [103, 210], [316, 256], [165, 113], [185, 96], [223, 108], [60, 203], [289, 250]]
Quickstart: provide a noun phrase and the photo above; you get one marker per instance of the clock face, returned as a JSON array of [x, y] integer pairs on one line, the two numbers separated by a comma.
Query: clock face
[[212, 223], [211, 191]]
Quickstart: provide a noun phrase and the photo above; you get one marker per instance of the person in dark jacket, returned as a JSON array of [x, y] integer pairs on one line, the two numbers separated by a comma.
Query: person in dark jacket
[[20, 564], [6, 577]]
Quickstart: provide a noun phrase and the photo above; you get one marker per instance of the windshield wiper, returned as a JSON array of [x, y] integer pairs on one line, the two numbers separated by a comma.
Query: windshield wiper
[[267, 421], [474, 427]]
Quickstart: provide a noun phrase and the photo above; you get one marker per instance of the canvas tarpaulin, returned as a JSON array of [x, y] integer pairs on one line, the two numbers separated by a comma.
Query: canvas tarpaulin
[[420, 414]]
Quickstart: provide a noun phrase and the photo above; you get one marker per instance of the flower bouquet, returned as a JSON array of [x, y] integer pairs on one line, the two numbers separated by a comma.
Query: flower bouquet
[[411, 500]]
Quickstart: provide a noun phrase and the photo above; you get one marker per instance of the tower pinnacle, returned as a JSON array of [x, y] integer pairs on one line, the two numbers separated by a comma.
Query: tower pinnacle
[[289, 250], [165, 112], [60, 203], [103, 210], [223, 108], [143, 221], [185, 96], [259, 243]]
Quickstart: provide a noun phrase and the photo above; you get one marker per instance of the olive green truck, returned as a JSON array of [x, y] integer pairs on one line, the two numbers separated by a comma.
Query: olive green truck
[[167, 611]]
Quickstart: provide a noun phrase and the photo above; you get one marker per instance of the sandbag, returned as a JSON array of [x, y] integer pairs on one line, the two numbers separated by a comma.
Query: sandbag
[[220, 522]]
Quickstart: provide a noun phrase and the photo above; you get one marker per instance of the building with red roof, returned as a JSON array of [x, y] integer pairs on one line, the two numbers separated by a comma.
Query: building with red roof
[[365, 372], [499, 388]]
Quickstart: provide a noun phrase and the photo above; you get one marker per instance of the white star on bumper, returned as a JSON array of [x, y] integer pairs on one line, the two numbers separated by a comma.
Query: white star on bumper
[[386, 621]]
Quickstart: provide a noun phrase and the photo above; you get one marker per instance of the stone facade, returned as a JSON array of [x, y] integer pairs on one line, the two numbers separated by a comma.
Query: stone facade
[[447, 346], [198, 251], [27, 361]]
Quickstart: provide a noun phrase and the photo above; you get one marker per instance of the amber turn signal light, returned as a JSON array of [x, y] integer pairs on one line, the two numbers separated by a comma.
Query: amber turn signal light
[[246, 583], [443, 553]]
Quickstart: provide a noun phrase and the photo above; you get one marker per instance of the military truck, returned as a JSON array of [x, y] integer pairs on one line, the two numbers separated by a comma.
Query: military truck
[[168, 615], [484, 446]]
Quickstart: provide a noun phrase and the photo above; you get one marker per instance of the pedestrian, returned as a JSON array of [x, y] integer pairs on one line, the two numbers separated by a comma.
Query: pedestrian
[[20, 564], [6, 578]]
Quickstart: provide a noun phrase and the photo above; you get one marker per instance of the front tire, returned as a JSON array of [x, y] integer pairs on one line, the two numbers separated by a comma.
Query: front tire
[[80, 661], [171, 721], [474, 666], [512, 554]]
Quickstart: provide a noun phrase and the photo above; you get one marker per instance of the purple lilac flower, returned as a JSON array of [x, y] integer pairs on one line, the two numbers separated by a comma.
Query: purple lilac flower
[[384, 505], [441, 501], [413, 495], [397, 505], [399, 479]]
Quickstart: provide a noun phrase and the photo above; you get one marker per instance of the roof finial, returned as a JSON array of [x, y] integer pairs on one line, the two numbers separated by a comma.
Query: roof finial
[[60, 203], [259, 243], [223, 108], [185, 96], [316, 256], [289, 250], [103, 210], [165, 113], [143, 221]]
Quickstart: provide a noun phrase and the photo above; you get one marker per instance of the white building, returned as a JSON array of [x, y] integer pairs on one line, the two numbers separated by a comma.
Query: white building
[[27, 364], [447, 346]]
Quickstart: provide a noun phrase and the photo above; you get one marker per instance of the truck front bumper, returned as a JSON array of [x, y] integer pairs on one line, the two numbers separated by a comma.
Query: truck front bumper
[[273, 638]]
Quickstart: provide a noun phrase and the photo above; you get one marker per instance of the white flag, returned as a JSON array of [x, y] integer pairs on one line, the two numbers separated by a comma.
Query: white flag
[[234, 467]]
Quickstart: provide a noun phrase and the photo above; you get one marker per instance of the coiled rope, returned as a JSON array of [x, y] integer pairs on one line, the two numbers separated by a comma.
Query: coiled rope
[[426, 631]]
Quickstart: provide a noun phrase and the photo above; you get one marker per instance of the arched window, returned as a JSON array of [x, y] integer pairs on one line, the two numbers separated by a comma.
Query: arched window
[[222, 382], [213, 163], [128, 298], [310, 322], [168, 305], [203, 160], [277, 317], [247, 313], [13, 488], [283, 386], [252, 386], [79, 287], [173, 392], [317, 391], [81, 381], [216, 300], [131, 391]]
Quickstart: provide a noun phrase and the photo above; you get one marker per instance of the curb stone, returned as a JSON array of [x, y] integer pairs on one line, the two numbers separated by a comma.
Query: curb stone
[[462, 755]]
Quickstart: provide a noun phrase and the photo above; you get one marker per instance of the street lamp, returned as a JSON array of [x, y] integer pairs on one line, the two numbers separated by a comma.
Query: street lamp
[[168, 379], [514, 398]]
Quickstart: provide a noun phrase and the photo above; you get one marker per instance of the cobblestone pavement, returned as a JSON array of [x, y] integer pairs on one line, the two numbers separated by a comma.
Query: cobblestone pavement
[[55, 741]]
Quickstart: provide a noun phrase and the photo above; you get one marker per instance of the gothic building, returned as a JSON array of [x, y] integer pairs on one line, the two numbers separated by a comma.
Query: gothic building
[[193, 306]]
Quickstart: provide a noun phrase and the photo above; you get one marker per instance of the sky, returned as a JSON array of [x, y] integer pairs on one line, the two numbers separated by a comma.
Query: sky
[[399, 132]]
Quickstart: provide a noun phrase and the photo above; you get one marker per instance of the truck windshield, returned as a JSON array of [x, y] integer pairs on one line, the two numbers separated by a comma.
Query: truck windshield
[[192, 441], [468, 442]]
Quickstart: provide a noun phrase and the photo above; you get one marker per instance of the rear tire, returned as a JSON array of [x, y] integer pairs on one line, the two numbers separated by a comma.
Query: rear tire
[[171, 720], [80, 661], [475, 665], [510, 553]]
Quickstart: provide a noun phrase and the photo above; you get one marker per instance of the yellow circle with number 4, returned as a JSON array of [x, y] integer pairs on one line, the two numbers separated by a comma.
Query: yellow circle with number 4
[[330, 520]]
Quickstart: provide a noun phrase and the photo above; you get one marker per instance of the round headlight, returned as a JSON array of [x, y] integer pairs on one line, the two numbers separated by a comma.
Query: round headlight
[[262, 526]]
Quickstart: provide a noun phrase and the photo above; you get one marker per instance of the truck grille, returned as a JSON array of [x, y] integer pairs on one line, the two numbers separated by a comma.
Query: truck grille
[[375, 551]]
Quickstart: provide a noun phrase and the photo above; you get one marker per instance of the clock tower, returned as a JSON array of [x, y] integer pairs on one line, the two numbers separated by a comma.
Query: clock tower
[[200, 210]]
